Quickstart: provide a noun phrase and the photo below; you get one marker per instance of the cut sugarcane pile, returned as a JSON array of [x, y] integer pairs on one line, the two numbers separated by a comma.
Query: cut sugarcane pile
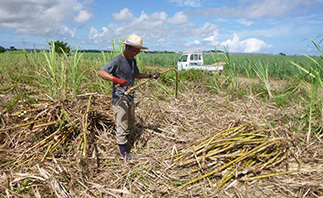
[[59, 129], [235, 153]]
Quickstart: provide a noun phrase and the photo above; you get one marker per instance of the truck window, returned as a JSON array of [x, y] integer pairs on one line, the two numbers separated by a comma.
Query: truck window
[[183, 58], [195, 57]]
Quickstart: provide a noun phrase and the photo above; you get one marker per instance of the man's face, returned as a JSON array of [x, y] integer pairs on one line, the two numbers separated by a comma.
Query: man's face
[[134, 50]]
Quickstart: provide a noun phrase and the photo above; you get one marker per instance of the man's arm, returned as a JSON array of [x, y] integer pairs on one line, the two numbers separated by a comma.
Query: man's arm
[[107, 76]]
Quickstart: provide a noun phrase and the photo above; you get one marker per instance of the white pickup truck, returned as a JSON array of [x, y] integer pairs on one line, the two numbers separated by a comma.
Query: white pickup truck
[[193, 59]]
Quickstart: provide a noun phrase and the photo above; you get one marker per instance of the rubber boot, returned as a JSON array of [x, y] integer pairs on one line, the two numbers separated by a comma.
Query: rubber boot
[[124, 151]]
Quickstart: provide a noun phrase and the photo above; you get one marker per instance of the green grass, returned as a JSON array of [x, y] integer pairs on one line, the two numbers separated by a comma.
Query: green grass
[[279, 66], [77, 73]]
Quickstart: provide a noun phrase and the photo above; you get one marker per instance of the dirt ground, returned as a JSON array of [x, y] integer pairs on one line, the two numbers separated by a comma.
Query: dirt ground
[[164, 125], [206, 112]]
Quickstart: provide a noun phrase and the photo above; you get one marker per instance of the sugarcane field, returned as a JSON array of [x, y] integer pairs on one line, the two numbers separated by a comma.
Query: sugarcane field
[[253, 130]]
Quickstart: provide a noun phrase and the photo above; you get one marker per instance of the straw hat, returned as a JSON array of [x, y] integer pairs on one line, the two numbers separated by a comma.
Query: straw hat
[[135, 41]]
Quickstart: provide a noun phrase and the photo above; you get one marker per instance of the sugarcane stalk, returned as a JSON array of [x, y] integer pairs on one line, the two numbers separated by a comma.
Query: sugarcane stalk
[[255, 150], [268, 175], [271, 160], [79, 146], [85, 143], [44, 141], [226, 178], [254, 134], [297, 159], [45, 124], [239, 140], [216, 150], [230, 144], [145, 81], [223, 132], [227, 133], [213, 152], [268, 155], [17, 113], [283, 157], [22, 125], [206, 166], [66, 115], [85, 125], [62, 139], [47, 151], [24, 162]]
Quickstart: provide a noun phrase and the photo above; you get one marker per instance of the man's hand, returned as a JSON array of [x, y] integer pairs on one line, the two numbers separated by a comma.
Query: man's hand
[[120, 82], [154, 75]]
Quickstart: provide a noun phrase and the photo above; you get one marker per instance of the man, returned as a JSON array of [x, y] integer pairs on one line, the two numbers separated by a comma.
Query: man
[[122, 70]]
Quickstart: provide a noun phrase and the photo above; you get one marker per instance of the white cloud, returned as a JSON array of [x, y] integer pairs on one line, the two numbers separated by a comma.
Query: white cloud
[[211, 38], [123, 15], [99, 36], [188, 3], [244, 22], [162, 16], [190, 30], [83, 16], [42, 17], [212, 41], [190, 44], [232, 44], [258, 9], [209, 29], [250, 45], [157, 31], [179, 17], [154, 27], [208, 35]]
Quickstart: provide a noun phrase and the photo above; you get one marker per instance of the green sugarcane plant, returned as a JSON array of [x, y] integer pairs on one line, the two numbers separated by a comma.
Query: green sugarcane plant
[[262, 72], [315, 73], [75, 73]]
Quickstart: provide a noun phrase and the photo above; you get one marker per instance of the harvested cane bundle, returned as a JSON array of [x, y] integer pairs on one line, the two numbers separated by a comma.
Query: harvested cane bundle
[[59, 129], [235, 153]]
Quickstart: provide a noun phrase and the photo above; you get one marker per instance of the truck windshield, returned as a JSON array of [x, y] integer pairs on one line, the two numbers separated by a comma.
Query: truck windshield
[[183, 58]]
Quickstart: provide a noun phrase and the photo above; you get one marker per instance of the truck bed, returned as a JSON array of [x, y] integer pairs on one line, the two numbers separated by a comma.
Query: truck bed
[[204, 67]]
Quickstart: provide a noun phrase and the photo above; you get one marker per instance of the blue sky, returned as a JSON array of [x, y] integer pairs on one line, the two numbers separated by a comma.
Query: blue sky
[[244, 26]]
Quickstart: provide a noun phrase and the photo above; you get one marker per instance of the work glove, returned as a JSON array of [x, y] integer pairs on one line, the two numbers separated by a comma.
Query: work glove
[[154, 75], [119, 82]]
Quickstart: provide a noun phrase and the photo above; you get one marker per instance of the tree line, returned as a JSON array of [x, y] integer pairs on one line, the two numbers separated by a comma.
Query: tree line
[[59, 47]]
